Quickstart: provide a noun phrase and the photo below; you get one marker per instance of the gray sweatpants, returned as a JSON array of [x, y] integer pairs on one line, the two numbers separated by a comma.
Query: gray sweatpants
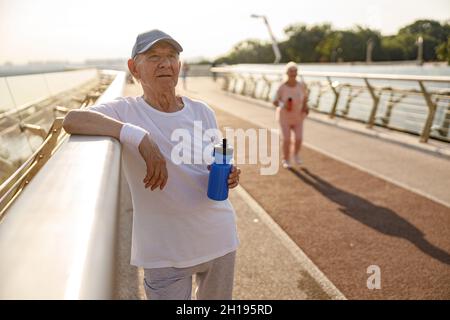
[[214, 281]]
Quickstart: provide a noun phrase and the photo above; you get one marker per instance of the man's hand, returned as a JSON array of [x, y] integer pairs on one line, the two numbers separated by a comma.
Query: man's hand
[[233, 178], [156, 164]]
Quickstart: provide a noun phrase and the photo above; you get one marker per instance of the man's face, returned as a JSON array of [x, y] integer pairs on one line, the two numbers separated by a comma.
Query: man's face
[[292, 72], [158, 67]]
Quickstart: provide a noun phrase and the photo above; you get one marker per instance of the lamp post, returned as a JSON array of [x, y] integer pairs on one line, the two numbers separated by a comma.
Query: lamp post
[[275, 48], [420, 50], [369, 50]]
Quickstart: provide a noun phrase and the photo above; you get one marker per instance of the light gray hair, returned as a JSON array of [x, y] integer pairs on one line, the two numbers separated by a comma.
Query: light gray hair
[[288, 66], [291, 64]]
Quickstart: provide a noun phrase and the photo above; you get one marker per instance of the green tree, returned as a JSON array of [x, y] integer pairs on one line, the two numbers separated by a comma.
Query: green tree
[[443, 51], [433, 33], [320, 43], [329, 46], [393, 50], [303, 41], [249, 51]]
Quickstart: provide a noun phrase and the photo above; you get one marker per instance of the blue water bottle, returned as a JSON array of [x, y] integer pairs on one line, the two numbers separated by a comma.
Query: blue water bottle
[[220, 170]]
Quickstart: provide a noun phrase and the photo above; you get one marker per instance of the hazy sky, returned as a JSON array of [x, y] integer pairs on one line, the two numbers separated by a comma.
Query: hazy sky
[[79, 29]]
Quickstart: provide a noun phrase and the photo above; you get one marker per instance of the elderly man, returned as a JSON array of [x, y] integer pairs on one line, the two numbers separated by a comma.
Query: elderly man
[[178, 231]]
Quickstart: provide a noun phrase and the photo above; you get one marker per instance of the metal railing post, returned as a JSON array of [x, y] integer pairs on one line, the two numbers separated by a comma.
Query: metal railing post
[[336, 97], [226, 82], [12, 187], [244, 86], [388, 112], [344, 112], [350, 99], [319, 95], [431, 112], [254, 83], [232, 83], [34, 129], [443, 130], [267, 89], [420, 124], [376, 100], [236, 78], [392, 102]]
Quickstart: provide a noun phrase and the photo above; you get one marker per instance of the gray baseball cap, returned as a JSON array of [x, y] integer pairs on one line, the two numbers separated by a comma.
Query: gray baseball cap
[[146, 40]]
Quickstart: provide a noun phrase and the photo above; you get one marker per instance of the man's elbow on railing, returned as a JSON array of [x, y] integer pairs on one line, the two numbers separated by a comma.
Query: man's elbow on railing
[[68, 123], [87, 122]]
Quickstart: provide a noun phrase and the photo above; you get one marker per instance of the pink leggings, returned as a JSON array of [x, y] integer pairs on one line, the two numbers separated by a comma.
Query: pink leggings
[[286, 131]]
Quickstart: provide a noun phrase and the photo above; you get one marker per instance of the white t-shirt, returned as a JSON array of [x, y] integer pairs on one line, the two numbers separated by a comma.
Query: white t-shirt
[[178, 226]]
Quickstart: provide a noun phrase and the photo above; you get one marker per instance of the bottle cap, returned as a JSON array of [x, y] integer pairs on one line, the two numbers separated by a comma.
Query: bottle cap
[[218, 150], [223, 152]]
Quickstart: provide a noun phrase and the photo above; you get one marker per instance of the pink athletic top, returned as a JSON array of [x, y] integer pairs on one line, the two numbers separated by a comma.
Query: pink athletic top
[[297, 93]]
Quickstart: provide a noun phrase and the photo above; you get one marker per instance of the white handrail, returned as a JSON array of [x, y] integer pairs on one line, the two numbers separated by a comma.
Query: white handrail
[[58, 239], [434, 95], [374, 76]]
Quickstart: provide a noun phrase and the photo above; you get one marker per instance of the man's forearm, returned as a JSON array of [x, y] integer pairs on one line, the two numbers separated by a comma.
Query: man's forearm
[[91, 123]]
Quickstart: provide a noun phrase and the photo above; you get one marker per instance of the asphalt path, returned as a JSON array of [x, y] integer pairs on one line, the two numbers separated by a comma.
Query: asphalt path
[[348, 220]]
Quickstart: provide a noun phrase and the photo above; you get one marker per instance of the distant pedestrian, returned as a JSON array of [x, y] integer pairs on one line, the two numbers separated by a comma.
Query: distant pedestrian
[[291, 98], [184, 74], [214, 74]]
